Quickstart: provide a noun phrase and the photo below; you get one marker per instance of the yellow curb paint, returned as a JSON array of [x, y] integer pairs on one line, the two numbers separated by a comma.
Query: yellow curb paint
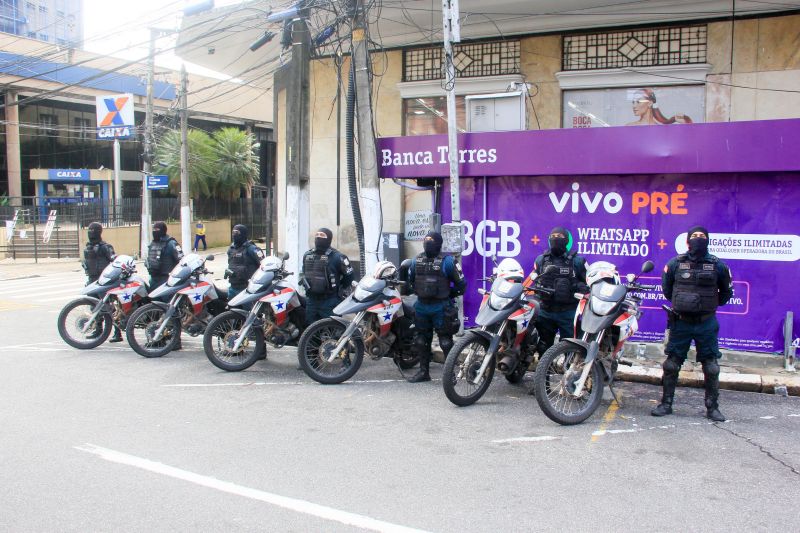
[[611, 413]]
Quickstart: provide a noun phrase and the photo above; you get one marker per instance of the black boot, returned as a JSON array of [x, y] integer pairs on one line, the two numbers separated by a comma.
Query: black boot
[[711, 385], [422, 374], [670, 381], [117, 335]]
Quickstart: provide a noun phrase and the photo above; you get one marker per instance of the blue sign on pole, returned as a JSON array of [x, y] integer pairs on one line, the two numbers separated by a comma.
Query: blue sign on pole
[[157, 182]]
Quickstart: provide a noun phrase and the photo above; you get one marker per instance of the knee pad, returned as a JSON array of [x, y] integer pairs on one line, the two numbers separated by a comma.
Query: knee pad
[[710, 367], [446, 343], [671, 366]]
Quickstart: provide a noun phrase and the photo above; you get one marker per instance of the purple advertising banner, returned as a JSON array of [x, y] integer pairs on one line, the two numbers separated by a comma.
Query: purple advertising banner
[[758, 146], [754, 220]]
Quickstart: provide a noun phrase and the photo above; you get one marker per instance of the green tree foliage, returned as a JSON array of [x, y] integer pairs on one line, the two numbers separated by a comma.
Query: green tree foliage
[[219, 165]]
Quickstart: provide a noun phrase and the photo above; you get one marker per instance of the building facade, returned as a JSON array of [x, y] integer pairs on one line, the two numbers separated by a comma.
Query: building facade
[[54, 21]]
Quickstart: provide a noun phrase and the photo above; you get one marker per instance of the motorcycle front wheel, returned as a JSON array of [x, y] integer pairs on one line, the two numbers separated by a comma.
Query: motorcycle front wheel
[[461, 368], [73, 318], [554, 384], [220, 336], [142, 326], [314, 350]]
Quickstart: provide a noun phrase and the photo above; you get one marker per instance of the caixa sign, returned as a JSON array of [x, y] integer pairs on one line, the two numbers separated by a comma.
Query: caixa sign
[[68, 174], [120, 132]]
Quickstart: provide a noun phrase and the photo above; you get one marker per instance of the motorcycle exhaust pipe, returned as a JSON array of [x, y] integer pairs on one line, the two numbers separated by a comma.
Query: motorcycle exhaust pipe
[[507, 364]]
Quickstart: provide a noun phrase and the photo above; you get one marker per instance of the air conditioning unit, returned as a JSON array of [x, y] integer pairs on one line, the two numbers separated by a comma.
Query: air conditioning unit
[[497, 112]]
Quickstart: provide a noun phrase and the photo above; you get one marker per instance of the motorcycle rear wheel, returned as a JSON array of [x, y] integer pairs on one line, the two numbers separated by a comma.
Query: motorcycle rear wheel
[[557, 371], [224, 328], [321, 336], [141, 326], [460, 368], [74, 316]]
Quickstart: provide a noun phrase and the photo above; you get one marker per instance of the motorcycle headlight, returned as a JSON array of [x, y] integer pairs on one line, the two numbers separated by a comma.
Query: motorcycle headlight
[[602, 307], [498, 302]]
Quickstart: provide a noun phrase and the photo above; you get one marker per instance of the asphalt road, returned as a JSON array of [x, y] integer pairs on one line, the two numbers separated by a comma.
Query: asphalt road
[[106, 440]]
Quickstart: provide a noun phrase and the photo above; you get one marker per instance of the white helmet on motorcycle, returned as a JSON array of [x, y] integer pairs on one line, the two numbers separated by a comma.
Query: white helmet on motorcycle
[[602, 270], [271, 264], [384, 270], [125, 263], [510, 269]]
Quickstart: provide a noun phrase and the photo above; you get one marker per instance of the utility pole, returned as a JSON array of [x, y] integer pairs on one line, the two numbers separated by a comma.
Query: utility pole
[[186, 214], [452, 34], [367, 158], [297, 144], [453, 233], [148, 148]]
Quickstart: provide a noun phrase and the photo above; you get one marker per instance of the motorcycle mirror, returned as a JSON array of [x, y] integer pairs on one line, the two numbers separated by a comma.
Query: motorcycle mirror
[[285, 256], [631, 278], [209, 257], [647, 267], [494, 260]]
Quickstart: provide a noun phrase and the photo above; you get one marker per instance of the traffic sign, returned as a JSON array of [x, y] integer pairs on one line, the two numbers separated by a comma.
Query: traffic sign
[[157, 182]]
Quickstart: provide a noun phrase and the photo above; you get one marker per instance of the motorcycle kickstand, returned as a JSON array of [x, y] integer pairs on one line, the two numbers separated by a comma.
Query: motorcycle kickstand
[[614, 393]]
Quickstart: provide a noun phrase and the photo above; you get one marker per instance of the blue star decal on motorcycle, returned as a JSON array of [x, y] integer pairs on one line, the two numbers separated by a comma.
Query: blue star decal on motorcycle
[[525, 323], [198, 297], [126, 297], [279, 305], [387, 317]]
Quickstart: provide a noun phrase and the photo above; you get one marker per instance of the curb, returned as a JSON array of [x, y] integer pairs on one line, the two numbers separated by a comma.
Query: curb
[[727, 381]]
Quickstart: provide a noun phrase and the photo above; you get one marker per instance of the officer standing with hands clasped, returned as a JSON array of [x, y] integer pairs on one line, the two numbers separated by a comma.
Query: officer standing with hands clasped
[[163, 254], [696, 283], [557, 313], [244, 258], [97, 255], [430, 277], [326, 275]]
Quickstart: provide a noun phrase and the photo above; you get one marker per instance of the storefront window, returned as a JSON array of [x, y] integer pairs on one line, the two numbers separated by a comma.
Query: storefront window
[[428, 116], [73, 190], [633, 106]]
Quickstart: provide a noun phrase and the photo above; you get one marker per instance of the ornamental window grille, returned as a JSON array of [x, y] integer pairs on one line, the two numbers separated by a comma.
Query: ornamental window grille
[[471, 60], [652, 47]]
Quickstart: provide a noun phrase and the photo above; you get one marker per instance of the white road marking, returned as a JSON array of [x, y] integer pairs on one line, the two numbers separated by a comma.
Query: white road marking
[[766, 417], [38, 290], [300, 506], [794, 415], [528, 439]]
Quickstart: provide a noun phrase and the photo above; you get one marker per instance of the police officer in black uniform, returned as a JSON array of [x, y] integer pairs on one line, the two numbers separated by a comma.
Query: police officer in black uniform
[[557, 313], [97, 255], [163, 254], [326, 275], [244, 258], [436, 279], [696, 283]]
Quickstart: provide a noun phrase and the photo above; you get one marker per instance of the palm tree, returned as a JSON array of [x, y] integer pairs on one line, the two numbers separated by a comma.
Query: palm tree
[[220, 165], [201, 161], [236, 161]]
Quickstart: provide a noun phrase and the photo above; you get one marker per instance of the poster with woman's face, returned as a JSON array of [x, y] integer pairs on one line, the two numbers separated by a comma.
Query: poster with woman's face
[[636, 106]]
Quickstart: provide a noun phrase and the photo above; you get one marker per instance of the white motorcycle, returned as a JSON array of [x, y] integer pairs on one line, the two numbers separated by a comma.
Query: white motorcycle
[[570, 376]]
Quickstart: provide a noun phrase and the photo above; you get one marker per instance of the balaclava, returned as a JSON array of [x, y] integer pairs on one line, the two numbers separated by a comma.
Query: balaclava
[[239, 234], [698, 247], [159, 231], [322, 240], [95, 231], [558, 245], [432, 243]]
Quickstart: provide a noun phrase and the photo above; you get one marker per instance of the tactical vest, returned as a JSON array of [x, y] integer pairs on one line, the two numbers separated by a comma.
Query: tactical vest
[[695, 290], [237, 263], [430, 281], [319, 273], [95, 259], [156, 264], [564, 283]]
